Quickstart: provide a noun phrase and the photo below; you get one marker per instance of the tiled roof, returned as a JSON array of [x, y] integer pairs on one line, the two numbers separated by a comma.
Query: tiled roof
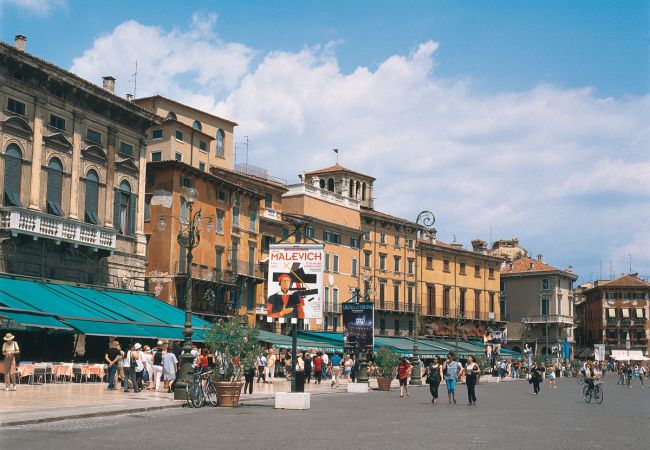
[[524, 264], [381, 215], [626, 281], [169, 100], [337, 168]]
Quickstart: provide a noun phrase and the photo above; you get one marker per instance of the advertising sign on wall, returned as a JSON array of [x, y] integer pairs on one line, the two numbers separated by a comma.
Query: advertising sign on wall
[[358, 322], [295, 282]]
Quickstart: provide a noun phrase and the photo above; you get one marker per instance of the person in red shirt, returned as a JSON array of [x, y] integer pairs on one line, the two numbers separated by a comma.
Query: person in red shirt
[[317, 364], [403, 372]]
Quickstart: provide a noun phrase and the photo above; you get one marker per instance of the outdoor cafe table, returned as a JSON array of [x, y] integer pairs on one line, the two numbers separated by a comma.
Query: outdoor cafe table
[[89, 370], [25, 370], [62, 370]]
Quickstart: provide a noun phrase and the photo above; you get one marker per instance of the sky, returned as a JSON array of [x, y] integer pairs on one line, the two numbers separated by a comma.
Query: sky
[[504, 118]]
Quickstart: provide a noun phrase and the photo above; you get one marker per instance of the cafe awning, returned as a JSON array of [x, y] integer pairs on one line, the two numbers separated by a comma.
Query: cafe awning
[[92, 310]]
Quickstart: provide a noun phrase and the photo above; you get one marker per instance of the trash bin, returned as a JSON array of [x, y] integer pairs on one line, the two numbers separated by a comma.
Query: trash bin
[[300, 381]]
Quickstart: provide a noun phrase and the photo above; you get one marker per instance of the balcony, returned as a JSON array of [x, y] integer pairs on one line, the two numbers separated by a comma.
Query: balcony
[[332, 309], [394, 306], [47, 226], [272, 214], [322, 194], [547, 318], [245, 268], [199, 272], [626, 321]]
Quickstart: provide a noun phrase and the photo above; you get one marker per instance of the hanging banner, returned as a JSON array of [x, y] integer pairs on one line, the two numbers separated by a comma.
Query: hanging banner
[[358, 322], [295, 281]]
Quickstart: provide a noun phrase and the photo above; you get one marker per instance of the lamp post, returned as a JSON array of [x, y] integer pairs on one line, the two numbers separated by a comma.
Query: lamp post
[[426, 219], [189, 236], [362, 374]]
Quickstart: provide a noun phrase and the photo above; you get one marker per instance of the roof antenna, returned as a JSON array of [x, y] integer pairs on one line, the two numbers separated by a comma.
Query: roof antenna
[[134, 77]]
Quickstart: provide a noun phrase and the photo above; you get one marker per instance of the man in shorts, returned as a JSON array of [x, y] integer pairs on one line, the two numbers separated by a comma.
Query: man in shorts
[[453, 371]]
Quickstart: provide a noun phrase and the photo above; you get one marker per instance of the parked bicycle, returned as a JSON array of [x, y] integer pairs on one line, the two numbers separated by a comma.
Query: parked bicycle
[[200, 390], [596, 393]]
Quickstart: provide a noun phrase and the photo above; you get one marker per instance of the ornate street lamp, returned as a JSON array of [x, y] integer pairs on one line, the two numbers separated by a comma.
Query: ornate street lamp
[[426, 219], [189, 236]]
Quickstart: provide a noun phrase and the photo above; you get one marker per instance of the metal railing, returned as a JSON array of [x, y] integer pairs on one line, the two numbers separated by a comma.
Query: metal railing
[[35, 223], [395, 306], [199, 272], [247, 268]]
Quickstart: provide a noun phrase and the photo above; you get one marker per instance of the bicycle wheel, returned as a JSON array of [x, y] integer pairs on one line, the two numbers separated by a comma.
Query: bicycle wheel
[[598, 394], [581, 379], [586, 394], [197, 396], [189, 386], [211, 394]]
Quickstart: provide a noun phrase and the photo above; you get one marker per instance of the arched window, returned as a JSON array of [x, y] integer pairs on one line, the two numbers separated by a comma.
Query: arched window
[[322, 183], [13, 163], [92, 196], [54, 187], [363, 190], [196, 125], [357, 188], [351, 189], [330, 184], [220, 138], [124, 209], [171, 115]]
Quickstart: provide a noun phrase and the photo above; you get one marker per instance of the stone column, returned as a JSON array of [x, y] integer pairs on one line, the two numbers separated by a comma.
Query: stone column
[[77, 141], [37, 155], [110, 175]]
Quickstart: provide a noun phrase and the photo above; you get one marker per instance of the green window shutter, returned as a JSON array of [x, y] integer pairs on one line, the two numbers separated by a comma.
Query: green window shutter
[[12, 180], [54, 186], [92, 190], [116, 209], [133, 206]]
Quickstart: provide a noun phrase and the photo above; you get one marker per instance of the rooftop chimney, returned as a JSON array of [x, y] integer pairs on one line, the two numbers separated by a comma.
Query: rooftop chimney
[[479, 246], [129, 97], [539, 257], [109, 84], [20, 42]]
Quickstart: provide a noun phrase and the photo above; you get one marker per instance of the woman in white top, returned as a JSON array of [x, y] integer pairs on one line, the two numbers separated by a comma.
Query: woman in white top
[[147, 359]]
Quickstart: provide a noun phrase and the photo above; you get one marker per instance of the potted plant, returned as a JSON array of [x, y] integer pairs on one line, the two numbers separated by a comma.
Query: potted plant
[[386, 361], [235, 347]]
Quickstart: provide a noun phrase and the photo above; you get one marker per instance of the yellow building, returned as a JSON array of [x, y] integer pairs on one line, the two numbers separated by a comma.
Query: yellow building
[[459, 289]]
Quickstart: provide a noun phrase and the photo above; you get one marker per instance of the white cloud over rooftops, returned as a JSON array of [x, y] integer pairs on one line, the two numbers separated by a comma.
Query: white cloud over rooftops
[[562, 169]]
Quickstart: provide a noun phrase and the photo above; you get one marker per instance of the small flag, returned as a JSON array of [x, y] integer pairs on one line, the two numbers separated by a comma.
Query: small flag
[[336, 150]]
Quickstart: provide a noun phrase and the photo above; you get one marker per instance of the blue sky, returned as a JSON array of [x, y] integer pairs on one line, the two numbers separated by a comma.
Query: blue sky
[[528, 119]]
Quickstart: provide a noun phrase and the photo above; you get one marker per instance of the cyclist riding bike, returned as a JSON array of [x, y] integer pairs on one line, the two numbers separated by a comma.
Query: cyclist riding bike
[[590, 376]]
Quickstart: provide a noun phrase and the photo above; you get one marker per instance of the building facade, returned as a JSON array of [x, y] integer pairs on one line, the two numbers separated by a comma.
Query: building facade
[[615, 313], [459, 289], [73, 156], [537, 299]]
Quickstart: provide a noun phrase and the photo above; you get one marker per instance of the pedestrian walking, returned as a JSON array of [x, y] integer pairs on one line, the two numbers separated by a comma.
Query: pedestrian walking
[[112, 357], [308, 367], [453, 370], [326, 361], [169, 363], [249, 377], [552, 377], [433, 378], [261, 368], [10, 350], [147, 373], [270, 366], [621, 375], [629, 373], [317, 364], [535, 378], [347, 367], [137, 367], [642, 374], [403, 373], [335, 367], [127, 368], [157, 366], [472, 372]]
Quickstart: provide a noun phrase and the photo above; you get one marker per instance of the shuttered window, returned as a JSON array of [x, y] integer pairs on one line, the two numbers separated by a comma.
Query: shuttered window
[[54, 183], [13, 158], [124, 209], [92, 195]]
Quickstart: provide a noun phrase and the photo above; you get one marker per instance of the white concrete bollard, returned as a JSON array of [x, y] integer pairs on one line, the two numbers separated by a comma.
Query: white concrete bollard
[[358, 388], [292, 400]]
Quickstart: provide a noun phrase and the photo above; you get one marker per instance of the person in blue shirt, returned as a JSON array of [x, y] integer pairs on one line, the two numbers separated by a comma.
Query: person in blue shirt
[[335, 363]]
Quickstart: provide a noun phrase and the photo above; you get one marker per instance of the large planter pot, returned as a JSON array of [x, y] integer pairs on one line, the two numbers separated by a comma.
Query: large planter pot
[[383, 383], [228, 392]]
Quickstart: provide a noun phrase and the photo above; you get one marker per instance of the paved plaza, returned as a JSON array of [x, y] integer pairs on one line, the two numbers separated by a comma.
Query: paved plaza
[[508, 416]]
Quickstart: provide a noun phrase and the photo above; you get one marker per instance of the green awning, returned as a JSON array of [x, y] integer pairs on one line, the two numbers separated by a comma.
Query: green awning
[[94, 310], [35, 320], [284, 341]]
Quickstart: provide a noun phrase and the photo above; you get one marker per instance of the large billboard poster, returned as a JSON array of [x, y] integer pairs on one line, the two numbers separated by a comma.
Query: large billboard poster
[[358, 325], [295, 286]]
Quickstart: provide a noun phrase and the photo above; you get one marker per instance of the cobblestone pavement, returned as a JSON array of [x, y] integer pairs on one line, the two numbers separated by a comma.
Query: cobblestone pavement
[[508, 416]]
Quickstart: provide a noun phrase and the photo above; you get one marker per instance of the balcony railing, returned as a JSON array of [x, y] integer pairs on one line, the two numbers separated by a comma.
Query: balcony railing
[[39, 224], [547, 318], [246, 268], [467, 315], [626, 321], [395, 306], [332, 309], [331, 197], [199, 272]]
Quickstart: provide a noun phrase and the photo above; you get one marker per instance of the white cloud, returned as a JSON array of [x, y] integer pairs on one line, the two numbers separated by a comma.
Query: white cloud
[[562, 169], [37, 7], [193, 64]]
